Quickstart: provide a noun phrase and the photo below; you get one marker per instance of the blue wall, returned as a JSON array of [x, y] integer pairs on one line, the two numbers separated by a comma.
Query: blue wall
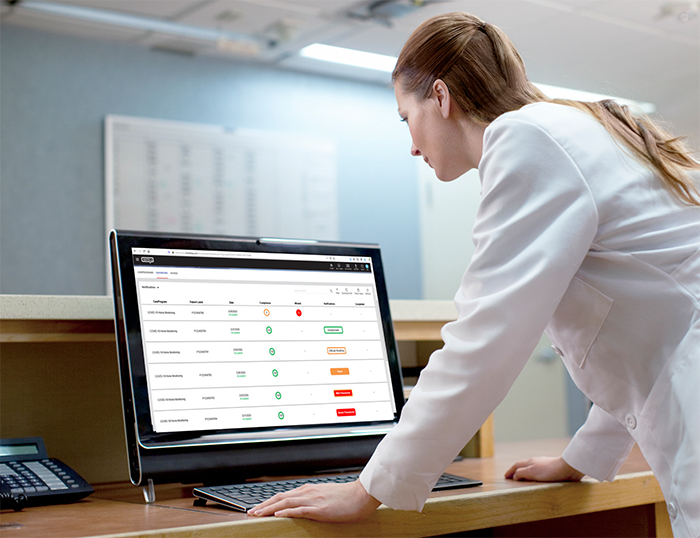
[[55, 91]]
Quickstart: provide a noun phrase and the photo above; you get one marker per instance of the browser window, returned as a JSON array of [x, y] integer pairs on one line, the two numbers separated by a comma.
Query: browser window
[[245, 340]]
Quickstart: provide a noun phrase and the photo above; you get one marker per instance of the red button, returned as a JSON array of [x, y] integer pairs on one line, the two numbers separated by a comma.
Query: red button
[[298, 312], [343, 392], [346, 412]]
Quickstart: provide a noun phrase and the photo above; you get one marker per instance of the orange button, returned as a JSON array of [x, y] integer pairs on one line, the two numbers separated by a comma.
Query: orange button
[[340, 371], [336, 350], [346, 412], [343, 392]]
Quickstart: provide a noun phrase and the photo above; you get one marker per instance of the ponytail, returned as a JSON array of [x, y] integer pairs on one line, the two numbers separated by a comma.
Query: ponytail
[[663, 153]]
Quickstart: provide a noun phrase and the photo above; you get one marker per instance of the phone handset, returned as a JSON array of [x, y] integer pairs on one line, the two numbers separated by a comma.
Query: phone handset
[[11, 500]]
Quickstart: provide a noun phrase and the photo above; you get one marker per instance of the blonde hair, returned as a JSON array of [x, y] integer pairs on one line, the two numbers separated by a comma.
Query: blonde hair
[[486, 77]]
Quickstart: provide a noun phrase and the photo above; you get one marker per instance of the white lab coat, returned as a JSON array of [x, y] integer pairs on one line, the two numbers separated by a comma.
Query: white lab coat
[[575, 237]]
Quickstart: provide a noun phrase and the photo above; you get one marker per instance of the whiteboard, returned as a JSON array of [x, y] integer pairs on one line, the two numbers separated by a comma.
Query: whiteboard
[[167, 176]]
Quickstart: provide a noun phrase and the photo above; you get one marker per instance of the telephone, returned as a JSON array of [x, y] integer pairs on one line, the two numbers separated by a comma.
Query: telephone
[[29, 477]]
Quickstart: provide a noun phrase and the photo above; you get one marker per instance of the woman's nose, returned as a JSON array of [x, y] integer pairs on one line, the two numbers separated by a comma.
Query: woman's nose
[[415, 151]]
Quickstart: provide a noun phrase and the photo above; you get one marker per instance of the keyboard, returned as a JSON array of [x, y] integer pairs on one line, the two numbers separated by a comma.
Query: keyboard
[[244, 496]]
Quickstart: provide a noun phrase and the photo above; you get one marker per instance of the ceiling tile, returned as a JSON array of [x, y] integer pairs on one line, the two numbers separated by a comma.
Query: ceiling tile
[[507, 15], [51, 23], [166, 9], [242, 17], [651, 13], [668, 59], [570, 37], [596, 4], [310, 7]]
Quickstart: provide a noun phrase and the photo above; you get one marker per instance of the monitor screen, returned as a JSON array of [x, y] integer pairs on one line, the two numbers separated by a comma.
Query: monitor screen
[[269, 348]]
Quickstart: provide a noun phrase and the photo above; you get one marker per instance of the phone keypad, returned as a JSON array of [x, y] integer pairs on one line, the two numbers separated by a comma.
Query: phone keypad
[[35, 477]]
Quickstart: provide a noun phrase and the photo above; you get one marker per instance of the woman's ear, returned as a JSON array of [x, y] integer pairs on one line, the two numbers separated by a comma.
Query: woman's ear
[[441, 94]]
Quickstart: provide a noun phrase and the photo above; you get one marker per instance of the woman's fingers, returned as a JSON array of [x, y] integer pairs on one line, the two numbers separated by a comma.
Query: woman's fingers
[[522, 470], [321, 502], [543, 469], [281, 501], [510, 473]]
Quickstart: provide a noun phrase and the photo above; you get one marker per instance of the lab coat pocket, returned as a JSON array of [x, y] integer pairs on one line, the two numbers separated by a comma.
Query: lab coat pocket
[[578, 320]]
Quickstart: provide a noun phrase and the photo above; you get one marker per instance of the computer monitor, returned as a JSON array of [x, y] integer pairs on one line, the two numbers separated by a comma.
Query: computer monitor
[[245, 357]]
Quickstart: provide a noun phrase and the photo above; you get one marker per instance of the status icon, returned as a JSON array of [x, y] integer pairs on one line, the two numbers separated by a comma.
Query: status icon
[[275, 373], [298, 312], [280, 415], [278, 395], [269, 330], [266, 312], [272, 351]]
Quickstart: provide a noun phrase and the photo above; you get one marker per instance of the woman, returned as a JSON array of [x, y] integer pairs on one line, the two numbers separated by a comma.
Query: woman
[[588, 229]]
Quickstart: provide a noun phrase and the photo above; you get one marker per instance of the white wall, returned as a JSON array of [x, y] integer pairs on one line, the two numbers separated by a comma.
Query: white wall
[[56, 89], [536, 406], [447, 212]]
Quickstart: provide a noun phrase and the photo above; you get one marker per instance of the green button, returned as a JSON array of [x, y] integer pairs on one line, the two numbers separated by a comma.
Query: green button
[[280, 415], [269, 330], [272, 351], [278, 395], [333, 329], [275, 373]]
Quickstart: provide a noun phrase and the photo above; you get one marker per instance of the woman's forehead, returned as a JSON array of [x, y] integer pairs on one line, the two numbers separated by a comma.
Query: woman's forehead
[[403, 98]]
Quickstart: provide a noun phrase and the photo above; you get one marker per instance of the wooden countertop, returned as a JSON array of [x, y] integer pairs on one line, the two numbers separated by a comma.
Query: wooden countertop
[[119, 510], [56, 307], [99, 307]]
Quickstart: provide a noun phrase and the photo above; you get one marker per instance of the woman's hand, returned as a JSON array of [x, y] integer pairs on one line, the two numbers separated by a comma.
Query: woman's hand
[[544, 470], [321, 502]]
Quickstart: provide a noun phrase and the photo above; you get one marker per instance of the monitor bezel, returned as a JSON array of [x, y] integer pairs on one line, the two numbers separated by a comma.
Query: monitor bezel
[[136, 403]]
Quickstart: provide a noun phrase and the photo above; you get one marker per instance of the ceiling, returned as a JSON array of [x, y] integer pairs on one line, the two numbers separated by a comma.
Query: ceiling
[[638, 49]]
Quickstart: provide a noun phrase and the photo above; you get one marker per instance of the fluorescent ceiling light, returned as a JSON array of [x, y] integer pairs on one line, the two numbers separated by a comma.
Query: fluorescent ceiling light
[[356, 58], [379, 62], [557, 92]]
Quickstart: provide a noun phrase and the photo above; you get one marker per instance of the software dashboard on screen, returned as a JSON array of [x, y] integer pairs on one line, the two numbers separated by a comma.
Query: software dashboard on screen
[[261, 342]]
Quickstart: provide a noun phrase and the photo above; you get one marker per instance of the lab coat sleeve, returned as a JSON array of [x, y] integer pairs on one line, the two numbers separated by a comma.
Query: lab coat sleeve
[[535, 223], [600, 446]]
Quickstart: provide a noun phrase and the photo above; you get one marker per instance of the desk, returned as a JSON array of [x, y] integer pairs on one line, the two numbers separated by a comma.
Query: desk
[[59, 377], [632, 505]]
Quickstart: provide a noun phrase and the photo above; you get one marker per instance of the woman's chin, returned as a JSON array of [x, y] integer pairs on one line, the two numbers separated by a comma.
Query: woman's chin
[[445, 178]]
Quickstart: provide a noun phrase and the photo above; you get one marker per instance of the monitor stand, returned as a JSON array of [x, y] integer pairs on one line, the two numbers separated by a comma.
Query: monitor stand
[[149, 492]]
